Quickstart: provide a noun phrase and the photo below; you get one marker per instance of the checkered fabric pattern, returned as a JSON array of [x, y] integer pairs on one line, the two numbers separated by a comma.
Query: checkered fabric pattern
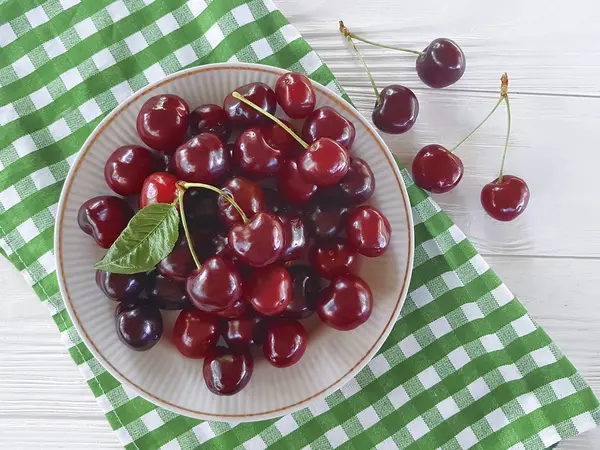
[[465, 366]]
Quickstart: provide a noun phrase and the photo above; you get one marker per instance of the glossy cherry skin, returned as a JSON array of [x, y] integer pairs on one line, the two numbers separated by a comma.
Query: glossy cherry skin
[[139, 326], [254, 157], [324, 219], [179, 264], [127, 168], [441, 64], [333, 258], [235, 311], [274, 201], [196, 333], [117, 286], [220, 246], [247, 194], [202, 159], [216, 286], [398, 110], [306, 287], [104, 218], [507, 200], [368, 230], [295, 236], [241, 114], [324, 163], [226, 371], [327, 122], [210, 118], [295, 95], [271, 290], [246, 331], [163, 121], [346, 303], [437, 170], [292, 186], [286, 343], [258, 243], [160, 187], [358, 185], [281, 140]]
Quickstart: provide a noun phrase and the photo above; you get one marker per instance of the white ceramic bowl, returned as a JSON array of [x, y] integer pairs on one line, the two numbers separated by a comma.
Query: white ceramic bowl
[[162, 375]]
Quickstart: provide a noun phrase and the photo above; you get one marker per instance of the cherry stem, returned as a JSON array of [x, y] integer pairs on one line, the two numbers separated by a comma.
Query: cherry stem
[[478, 126], [377, 95], [506, 142], [270, 116], [349, 34], [180, 193]]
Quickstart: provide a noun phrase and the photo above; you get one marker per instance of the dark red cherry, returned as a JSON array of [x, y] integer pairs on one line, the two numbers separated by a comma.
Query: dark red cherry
[[295, 236], [258, 243], [104, 218], [254, 157], [271, 290], [139, 326], [333, 258], [324, 163], [346, 303], [219, 246], [398, 110], [167, 294], [202, 159], [160, 187], [323, 218], [358, 185], [327, 122], [505, 200], [226, 371], [281, 140], [241, 114], [292, 185], [201, 207], [247, 194], [243, 332], [274, 201], [295, 95], [127, 168], [437, 170], [235, 311], [286, 343], [163, 121], [368, 230], [441, 64], [210, 118], [196, 333], [179, 264], [117, 286], [306, 287], [216, 286]]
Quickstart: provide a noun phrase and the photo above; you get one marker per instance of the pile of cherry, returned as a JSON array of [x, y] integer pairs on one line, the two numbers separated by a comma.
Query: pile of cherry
[[267, 221]]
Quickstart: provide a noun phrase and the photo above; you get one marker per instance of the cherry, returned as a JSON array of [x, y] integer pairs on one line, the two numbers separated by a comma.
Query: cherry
[[254, 157], [235, 311], [326, 122], [226, 371], [396, 109], [202, 159], [368, 230], [441, 64], [119, 287], [286, 343], [160, 187], [333, 258], [243, 115], [139, 326], [295, 95], [247, 194], [104, 218], [127, 168], [324, 219], [179, 264], [196, 333], [210, 118], [220, 247], [358, 185], [306, 287], [346, 303], [295, 236], [162, 122], [437, 170], [259, 242], [292, 185], [246, 331], [216, 286], [324, 163], [167, 294], [278, 138], [271, 290], [201, 207], [505, 199], [273, 201]]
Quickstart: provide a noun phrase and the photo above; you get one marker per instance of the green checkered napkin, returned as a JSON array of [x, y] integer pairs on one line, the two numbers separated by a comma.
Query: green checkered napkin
[[465, 366]]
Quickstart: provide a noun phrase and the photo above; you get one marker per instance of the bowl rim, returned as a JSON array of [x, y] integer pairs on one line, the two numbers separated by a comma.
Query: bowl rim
[[254, 416]]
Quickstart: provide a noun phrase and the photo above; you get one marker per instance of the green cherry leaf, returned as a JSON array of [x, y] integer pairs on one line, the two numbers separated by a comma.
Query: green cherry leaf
[[148, 238]]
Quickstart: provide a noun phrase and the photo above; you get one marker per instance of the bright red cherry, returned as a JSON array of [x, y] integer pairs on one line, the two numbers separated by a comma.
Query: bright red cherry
[[271, 290], [196, 333], [437, 170], [306, 287], [292, 186], [281, 140], [259, 242], [139, 326], [358, 185], [241, 114], [333, 258], [327, 122], [295, 95], [368, 230], [346, 303], [163, 121], [210, 118], [441, 64], [505, 200], [127, 168], [117, 286], [235, 311], [324, 163], [254, 157], [246, 331], [397, 110], [216, 286], [295, 236], [160, 187], [324, 218], [247, 194], [167, 294], [104, 218], [202, 159], [286, 343]]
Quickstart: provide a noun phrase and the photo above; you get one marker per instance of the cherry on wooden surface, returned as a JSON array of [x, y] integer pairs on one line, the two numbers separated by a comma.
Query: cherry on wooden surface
[[437, 170]]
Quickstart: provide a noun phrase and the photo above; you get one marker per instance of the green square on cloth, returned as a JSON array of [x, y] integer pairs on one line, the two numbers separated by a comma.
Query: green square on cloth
[[465, 366]]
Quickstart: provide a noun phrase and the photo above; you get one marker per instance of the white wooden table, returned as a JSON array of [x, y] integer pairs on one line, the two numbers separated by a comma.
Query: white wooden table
[[550, 257]]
